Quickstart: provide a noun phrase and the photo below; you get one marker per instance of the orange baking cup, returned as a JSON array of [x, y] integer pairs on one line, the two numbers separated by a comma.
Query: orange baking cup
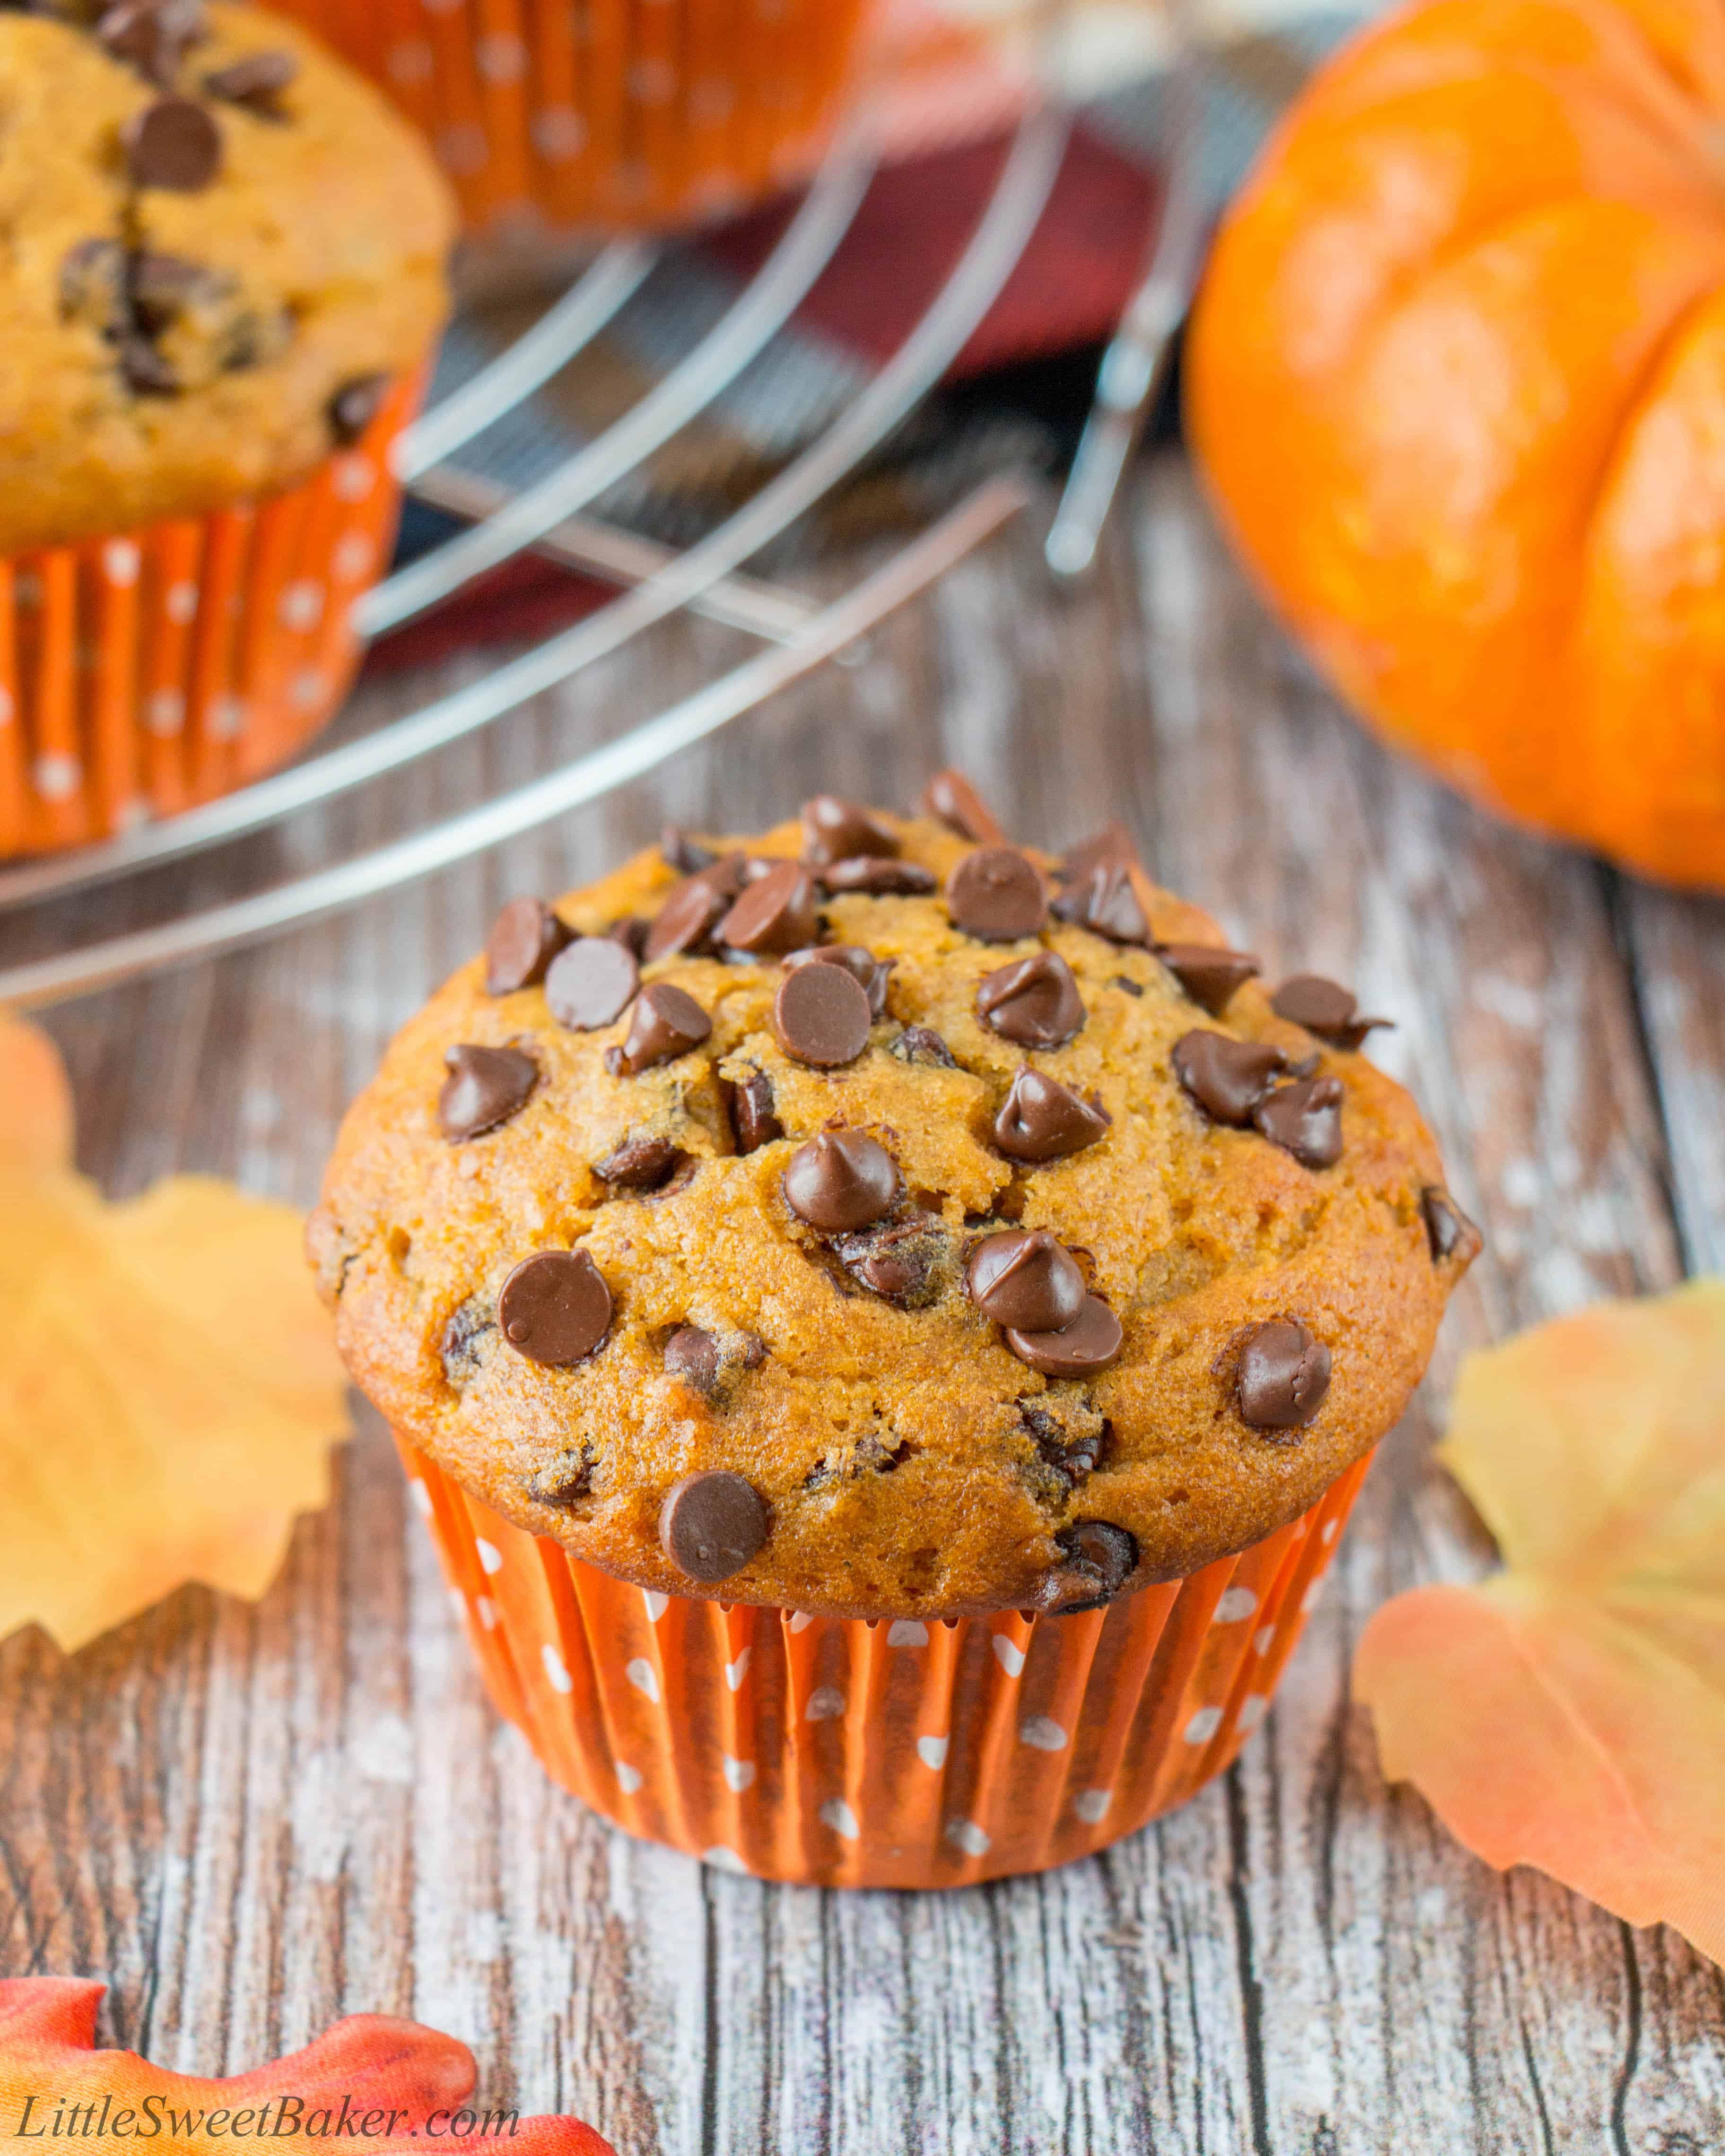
[[836, 1752], [586, 117], [145, 671]]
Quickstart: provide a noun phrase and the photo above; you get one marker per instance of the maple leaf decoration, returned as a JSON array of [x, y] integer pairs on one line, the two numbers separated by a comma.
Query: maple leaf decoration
[[1569, 1711], [170, 1389], [368, 2079]]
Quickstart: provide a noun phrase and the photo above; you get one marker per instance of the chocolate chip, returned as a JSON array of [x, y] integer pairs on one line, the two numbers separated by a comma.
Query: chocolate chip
[[822, 1016], [1324, 1007], [877, 879], [1305, 1119], [1104, 902], [710, 1525], [525, 937], [996, 895], [471, 1326], [870, 1455], [640, 1164], [1034, 1002], [694, 908], [554, 1308], [256, 82], [146, 370], [1089, 1343], [777, 912], [951, 799], [1028, 1281], [589, 983], [1112, 847], [1097, 1561], [836, 830], [921, 1043], [1282, 1377], [1226, 1077], [354, 406], [1072, 1453], [172, 144], [630, 931], [563, 1479], [678, 851], [166, 287], [907, 1262], [1127, 985], [485, 1086], [1208, 974], [693, 1356], [752, 1117], [1449, 1232], [870, 973], [665, 1024], [841, 1181], [151, 35], [1041, 1119], [92, 283]]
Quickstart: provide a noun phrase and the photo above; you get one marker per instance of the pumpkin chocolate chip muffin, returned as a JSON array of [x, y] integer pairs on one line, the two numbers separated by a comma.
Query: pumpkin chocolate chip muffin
[[222, 246], [876, 1217]]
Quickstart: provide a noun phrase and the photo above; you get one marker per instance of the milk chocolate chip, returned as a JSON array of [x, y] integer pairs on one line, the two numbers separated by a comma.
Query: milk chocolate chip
[[589, 984], [172, 144], [1304, 1119], [841, 1181], [777, 912], [875, 877], [996, 895], [1041, 1119], [1026, 1280], [870, 973], [1088, 1344], [1207, 973], [951, 799], [1096, 1560], [711, 1524], [554, 1308], [485, 1086], [665, 1024], [1283, 1374], [1324, 1007], [694, 908], [693, 1356], [838, 830], [1227, 1078], [525, 937], [1104, 902], [1034, 1002], [752, 1117], [1112, 847], [1449, 1232], [822, 1016]]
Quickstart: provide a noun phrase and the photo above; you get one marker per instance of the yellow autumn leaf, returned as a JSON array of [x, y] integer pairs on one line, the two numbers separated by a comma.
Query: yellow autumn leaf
[[170, 1389], [1569, 1711]]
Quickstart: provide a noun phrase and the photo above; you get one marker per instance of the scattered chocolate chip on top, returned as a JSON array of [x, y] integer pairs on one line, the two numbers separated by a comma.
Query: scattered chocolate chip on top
[[1033, 1003], [693, 1356], [776, 912], [151, 35], [951, 799], [754, 1121], [1042, 1119], [1027, 1280], [1449, 1232], [485, 1086], [871, 973], [822, 1016], [354, 406], [554, 1308], [1088, 1344], [921, 1043], [666, 1023], [839, 830], [694, 908], [589, 984], [907, 1262], [1111, 848], [1304, 1119], [256, 82], [873, 877], [1104, 902], [841, 1181], [525, 937], [1324, 1007], [173, 144], [996, 895], [646, 1162], [711, 1524], [1097, 1561], [1227, 1078], [686, 855], [1208, 973], [1282, 1376]]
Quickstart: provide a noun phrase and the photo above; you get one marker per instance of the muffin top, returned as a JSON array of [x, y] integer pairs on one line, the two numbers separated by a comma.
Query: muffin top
[[221, 244], [875, 1219]]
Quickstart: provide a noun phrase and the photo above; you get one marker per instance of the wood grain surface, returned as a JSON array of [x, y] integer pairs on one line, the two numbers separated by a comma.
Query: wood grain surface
[[252, 1820]]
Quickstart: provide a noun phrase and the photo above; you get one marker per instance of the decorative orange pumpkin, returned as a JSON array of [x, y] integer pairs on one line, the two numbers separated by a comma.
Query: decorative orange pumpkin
[[1457, 379]]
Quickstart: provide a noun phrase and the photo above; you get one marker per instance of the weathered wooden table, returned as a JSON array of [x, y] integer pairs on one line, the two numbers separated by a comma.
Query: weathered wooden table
[[252, 1821]]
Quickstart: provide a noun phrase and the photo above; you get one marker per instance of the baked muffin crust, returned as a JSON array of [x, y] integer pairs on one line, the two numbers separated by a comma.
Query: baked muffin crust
[[1256, 1300]]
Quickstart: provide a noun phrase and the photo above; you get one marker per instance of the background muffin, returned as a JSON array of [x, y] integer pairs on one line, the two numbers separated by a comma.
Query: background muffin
[[224, 275]]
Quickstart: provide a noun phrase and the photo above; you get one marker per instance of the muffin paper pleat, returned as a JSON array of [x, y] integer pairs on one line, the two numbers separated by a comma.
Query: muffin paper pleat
[[902, 1753], [605, 116], [145, 671]]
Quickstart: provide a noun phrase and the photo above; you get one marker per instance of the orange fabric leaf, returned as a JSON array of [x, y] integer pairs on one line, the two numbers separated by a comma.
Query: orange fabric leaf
[[1569, 1711], [369, 2078], [170, 1389]]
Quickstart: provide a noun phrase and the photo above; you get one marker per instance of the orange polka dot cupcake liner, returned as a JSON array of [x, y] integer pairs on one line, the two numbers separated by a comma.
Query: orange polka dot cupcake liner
[[605, 116], [146, 672], [834, 1752]]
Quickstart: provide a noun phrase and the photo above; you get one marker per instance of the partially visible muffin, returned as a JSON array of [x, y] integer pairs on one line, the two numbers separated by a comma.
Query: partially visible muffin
[[222, 247], [875, 1219]]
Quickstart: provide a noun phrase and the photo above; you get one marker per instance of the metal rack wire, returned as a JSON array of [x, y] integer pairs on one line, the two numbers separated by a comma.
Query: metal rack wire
[[657, 582]]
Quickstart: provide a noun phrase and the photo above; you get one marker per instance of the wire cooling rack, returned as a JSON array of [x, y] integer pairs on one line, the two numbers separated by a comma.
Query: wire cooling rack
[[551, 515]]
